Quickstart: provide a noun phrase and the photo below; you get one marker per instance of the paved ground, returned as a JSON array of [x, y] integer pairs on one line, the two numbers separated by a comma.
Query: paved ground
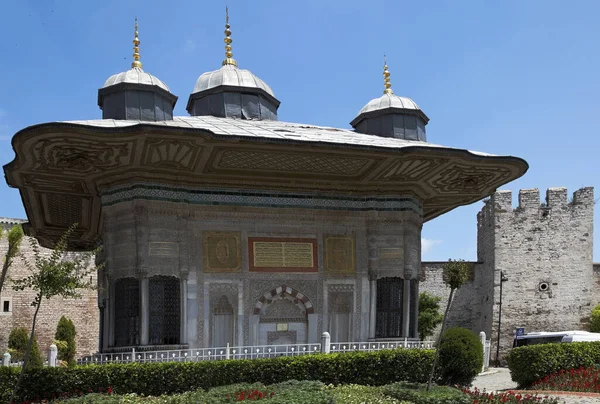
[[496, 379]]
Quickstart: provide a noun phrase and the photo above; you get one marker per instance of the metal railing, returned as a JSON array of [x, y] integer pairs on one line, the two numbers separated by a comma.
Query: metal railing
[[248, 352]]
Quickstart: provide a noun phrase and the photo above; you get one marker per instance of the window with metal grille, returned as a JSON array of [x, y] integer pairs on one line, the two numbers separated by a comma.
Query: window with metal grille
[[165, 310], [388, 321], [127, 312]]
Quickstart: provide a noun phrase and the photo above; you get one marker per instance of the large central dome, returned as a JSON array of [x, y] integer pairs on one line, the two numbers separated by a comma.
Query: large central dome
[[231, 92]]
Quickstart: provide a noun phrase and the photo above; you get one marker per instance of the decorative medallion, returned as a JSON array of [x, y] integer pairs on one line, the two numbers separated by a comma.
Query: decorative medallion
[[340, 254], [270, 254], [222, 252]]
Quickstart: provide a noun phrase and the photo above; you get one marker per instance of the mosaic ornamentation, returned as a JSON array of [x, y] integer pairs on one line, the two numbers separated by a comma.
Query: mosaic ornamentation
[[222, 252], [227, 197], [340, 255]]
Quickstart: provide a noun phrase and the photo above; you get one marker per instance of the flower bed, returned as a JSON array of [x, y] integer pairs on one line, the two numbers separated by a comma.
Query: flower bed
[[482, 397], [583, 379]]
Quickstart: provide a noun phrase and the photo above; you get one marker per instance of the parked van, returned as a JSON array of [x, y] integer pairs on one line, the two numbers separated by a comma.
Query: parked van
[[534, 338]]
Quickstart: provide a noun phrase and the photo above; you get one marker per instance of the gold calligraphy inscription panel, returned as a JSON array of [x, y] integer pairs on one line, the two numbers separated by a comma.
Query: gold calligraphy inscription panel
[[340, 254], [222, 252], [282, 255]]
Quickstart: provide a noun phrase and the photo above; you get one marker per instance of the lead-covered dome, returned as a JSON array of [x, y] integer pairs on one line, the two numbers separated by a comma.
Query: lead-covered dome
[[135, 94], [231, 75], [135, 75], [391, 115], [231, 92]]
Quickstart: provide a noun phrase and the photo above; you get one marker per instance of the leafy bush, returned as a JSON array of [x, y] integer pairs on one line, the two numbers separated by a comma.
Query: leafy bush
[[65, 333], [416, 393], [595, 319], [429, 314], [528, 364], [17, 345], [461, 357], [156, 379]]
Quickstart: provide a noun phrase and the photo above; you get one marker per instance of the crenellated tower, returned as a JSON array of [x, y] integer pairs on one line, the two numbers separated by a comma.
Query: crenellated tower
[[544, 249]]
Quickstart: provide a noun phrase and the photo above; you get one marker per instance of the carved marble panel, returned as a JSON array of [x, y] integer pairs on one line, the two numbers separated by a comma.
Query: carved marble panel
[[291, 162], [222, 251], [404, 169], [175, 154], [163, 248], [79, 156]]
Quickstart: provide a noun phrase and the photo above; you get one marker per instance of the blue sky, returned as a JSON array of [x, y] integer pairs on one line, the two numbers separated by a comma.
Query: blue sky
[[510, 78]]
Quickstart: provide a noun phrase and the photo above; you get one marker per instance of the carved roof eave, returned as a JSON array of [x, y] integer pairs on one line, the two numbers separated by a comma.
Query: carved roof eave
[[65, 163]]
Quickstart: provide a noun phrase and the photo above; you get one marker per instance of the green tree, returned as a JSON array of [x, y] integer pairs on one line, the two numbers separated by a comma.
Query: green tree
[[55, 275], [456, 273], [14, 237], [65, 340], [595, 320], [17, 346], [429, 314]]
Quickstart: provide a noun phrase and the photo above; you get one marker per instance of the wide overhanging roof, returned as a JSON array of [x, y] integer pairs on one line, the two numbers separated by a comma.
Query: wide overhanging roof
[[61, 168]]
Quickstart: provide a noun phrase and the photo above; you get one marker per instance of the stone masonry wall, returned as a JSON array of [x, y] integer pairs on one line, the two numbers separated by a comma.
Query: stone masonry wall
[[83, 312], [545, 251], [466, 309]]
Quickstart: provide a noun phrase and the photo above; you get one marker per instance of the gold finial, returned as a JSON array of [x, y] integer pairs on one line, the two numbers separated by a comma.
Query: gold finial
[[386, 78], [229, 60], [136, 48]]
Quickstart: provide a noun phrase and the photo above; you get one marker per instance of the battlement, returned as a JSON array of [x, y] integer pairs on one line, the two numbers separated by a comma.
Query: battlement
[[529, 199], [6, 222]]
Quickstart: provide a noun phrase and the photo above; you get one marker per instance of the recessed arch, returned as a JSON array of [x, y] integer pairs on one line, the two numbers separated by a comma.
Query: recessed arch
[[284, 289]]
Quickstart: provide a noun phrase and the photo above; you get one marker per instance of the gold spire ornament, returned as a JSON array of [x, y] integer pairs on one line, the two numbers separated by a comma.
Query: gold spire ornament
[[386, 78], [136, 48], [229, 60]]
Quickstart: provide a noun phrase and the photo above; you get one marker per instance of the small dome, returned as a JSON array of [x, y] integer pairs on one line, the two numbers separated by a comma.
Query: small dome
[[389, 101], [230, 75], [135, 75]]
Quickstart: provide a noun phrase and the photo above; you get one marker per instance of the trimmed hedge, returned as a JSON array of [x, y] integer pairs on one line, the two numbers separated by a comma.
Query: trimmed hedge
[[366, 368], [528, 364]]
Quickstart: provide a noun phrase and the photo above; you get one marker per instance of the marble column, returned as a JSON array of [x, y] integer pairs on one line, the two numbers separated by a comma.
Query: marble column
[[144, 311], [184, 309], [373, 311], [240, 317], [406, 309], [111, 314]]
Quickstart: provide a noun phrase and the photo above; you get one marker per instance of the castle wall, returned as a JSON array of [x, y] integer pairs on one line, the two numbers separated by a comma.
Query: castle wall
[[545, 251], [83, 312]]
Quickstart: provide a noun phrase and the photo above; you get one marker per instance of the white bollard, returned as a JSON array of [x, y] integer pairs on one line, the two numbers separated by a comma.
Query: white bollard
[[482, 337], [227, 351], [325, 343], [6, 359], [52, 355]]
